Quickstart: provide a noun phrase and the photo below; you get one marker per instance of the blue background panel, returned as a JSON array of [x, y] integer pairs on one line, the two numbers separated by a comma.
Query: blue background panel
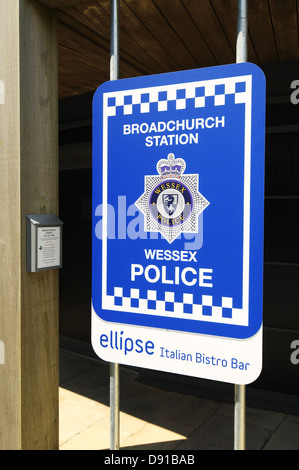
[[218, 159]]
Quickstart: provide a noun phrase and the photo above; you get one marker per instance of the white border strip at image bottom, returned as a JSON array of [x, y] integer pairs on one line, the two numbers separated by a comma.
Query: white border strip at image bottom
[[232, 360]]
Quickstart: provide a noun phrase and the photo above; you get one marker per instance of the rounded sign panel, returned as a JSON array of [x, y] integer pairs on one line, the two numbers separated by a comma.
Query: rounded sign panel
[[178, 211]]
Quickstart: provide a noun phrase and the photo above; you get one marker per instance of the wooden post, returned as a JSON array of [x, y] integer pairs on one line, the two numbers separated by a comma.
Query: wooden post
[[28, 185]]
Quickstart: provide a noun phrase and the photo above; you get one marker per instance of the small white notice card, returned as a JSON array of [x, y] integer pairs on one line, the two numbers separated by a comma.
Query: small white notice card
[[48, 247]]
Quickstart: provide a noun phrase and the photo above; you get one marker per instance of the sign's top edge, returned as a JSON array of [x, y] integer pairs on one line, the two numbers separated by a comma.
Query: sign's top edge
[[206, 73]]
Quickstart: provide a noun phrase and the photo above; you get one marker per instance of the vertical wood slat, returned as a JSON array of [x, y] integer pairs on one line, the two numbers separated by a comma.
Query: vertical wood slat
[[185, 27], [9, 229], [157, 24], [133, 26], [285, 25], [261, 31], [209, 25], [29, 184]]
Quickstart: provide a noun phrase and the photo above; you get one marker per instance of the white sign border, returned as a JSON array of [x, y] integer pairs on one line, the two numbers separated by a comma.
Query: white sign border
[[246, 98]]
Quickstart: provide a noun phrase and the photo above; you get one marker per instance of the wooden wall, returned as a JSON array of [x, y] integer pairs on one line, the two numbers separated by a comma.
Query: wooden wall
[[28, 185]]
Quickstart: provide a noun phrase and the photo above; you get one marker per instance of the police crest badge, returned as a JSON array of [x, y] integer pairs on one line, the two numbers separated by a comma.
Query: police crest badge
[[171, 201]]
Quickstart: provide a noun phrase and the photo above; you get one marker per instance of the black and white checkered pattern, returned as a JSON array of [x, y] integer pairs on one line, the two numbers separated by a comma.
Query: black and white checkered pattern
[[179, 96], [170, 307]]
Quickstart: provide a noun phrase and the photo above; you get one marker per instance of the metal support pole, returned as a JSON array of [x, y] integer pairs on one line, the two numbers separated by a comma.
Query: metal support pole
[[241, 56], [114, 368], [114, 406], [239, 418], [242, 32], [114, 40]]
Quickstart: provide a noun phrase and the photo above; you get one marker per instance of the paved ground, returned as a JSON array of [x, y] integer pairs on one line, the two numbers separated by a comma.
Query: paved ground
[[153, 419]]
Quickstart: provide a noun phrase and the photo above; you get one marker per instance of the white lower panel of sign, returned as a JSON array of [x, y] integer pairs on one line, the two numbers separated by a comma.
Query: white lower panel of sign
[[237, 361]]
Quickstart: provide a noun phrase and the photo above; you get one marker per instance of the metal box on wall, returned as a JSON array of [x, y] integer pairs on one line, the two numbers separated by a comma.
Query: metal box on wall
[[44, 242]]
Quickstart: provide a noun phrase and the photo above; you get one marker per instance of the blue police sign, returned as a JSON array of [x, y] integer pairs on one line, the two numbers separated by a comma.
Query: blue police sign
[[178, 195]]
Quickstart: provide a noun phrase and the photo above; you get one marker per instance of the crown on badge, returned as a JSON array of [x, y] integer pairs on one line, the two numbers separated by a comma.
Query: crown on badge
[[172, 167]]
